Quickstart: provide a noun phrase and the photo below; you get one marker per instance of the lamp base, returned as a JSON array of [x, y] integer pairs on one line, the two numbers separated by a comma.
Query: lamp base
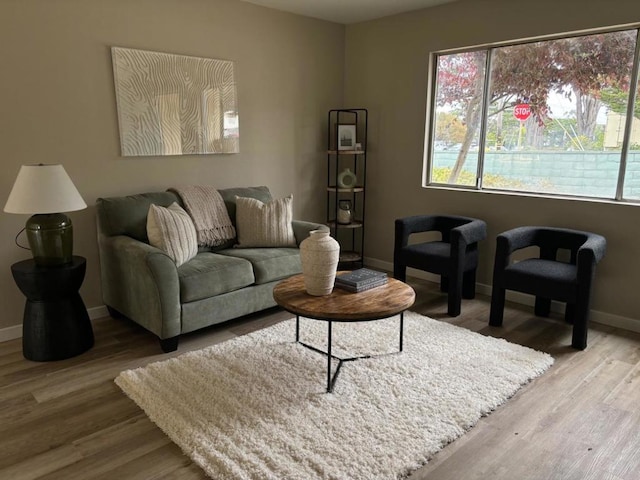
[[50, 237]]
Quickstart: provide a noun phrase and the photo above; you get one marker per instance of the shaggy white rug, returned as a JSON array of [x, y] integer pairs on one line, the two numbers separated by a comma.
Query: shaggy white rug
[[255, 407]]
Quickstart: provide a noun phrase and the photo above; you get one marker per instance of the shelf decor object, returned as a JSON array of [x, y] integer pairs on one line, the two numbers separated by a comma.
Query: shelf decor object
[[174, 104], [346, 181], [345, 214], [346, 137], [46, 191]]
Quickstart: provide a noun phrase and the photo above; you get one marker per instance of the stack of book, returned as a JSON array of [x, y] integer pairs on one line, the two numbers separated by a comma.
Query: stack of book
[[360, 280]]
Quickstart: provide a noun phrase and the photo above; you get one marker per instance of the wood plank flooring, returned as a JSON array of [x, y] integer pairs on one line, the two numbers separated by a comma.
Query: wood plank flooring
[[580, 420]]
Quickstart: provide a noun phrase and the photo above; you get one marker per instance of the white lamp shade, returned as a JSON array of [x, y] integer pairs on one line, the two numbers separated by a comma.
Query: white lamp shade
[[43, 189]]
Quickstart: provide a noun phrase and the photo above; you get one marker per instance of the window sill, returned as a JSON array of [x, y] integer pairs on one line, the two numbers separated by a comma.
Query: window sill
[[515, 193]]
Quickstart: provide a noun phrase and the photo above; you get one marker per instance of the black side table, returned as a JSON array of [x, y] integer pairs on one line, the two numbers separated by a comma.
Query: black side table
[[56, 323]]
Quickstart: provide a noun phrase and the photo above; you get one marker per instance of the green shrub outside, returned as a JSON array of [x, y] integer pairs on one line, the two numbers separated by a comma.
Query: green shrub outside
[[441, 175]]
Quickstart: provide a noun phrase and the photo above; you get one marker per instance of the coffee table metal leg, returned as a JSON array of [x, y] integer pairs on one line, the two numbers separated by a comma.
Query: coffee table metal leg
[[329, 359], [331, 380]]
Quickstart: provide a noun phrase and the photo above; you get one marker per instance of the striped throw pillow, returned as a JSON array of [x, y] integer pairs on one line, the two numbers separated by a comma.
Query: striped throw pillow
[[171, 230], [264, 224]]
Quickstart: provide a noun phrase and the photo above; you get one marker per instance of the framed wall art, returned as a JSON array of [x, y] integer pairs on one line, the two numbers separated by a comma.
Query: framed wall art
[[175, 104]]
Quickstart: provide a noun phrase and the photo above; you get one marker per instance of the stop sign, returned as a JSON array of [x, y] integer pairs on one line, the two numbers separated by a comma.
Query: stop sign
[[522, 111]]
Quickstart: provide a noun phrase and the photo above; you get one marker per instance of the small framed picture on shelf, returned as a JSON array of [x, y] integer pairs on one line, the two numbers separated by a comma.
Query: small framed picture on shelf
[[346, 136]]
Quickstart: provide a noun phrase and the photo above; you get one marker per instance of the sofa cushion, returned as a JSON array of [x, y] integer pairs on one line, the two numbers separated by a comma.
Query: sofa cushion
[[229, 196], [171, 230], [209, 274], [128, 215], [269, 264], [262, 224]]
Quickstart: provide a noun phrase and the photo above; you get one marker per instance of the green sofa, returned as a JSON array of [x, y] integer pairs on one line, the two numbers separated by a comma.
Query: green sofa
[[143, 284]]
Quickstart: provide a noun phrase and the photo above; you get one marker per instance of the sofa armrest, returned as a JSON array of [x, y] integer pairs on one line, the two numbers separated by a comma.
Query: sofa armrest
[[302, 229], [141, 282]]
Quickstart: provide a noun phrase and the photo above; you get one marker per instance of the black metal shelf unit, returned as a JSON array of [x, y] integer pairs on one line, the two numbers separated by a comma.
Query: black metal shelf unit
[[346, 181]]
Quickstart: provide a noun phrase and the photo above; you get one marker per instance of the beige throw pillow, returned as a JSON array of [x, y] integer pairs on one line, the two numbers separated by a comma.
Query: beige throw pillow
[[264, 224], [171, 230]]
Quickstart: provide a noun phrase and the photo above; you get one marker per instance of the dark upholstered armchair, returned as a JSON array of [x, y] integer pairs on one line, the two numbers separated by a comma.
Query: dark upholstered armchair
[[454, 257], [547, 277]]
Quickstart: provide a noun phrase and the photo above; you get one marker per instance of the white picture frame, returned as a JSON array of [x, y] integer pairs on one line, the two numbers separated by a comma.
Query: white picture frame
[[346, 137]]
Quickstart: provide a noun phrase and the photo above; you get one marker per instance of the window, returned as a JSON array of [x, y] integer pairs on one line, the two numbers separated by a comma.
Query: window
[[557, 116]]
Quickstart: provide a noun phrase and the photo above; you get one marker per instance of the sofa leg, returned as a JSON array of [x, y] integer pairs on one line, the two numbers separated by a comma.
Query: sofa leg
[[169, 344]]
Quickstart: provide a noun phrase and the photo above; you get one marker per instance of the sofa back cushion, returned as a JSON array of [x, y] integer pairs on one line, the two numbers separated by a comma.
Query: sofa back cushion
[[229, 197], [128, 215]]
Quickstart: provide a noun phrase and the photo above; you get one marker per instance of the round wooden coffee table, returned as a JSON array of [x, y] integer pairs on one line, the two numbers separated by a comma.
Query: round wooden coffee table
[[385, 301]]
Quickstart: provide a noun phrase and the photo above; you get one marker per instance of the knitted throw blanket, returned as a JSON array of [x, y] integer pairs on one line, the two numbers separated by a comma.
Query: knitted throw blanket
[[209, 214]]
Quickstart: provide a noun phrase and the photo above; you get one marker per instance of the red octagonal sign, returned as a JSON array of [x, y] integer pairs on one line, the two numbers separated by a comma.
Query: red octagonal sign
[[522, 111]]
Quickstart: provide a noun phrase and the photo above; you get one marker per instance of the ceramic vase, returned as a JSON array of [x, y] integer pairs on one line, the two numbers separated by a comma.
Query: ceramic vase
[[319, 254], [344, 212], [347, 179]]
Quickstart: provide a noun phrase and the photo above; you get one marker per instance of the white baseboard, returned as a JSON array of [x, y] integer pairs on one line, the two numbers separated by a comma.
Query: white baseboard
[[98, 312], [10, 333], [604, 318], [15, 331]]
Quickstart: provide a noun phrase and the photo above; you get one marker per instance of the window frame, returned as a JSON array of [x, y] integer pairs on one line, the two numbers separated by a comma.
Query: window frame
[[429, 136]]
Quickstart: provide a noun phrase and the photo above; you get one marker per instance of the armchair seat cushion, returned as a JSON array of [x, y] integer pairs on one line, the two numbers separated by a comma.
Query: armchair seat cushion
[[546, 278], [269, 264], [210, 274], [434, 257]]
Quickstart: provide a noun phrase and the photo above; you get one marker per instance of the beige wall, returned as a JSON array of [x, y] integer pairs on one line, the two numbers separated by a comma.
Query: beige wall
[[58, 105], [386, 71]]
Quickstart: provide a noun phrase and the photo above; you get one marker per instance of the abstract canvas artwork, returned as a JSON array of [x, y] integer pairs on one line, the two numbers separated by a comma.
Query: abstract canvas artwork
[[174, 104]]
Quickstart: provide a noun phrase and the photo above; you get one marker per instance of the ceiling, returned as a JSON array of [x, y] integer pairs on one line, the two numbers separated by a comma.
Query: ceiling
[[348, 11]]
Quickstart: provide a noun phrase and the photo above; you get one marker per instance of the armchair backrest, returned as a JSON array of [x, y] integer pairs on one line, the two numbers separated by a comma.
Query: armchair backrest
[[444, 224], [550, 240], [473, 230]]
